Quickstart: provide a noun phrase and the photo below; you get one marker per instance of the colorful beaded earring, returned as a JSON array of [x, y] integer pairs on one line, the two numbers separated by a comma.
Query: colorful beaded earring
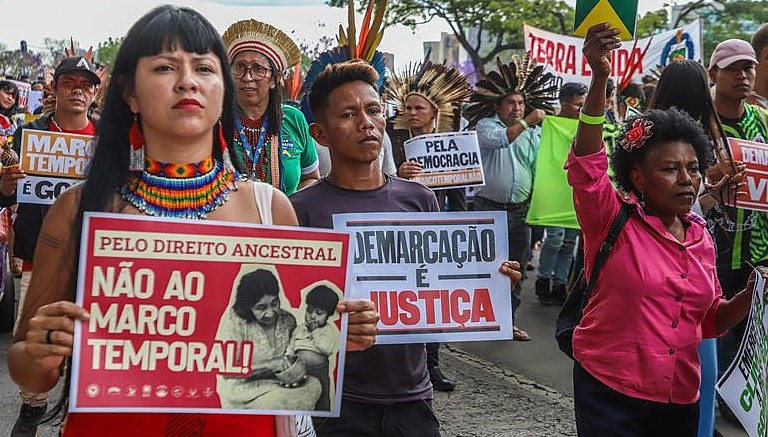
[[136, 154]]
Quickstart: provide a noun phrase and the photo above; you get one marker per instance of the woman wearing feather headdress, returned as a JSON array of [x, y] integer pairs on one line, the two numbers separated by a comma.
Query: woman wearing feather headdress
[[508, 106], [272, 139]]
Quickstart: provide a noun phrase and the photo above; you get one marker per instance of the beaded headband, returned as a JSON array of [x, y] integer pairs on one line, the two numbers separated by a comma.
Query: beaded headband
[[635, 134], [263, 38]]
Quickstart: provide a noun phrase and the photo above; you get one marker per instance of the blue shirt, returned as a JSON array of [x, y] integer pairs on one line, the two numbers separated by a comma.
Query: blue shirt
[[509, 166]]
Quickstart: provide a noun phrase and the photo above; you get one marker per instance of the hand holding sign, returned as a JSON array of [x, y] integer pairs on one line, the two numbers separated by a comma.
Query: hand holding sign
[[10, 180]]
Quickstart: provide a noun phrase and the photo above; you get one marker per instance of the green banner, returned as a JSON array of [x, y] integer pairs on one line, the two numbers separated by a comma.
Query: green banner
[[552, 199]]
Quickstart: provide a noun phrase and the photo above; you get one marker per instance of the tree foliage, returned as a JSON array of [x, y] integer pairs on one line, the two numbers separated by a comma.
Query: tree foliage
[[106, 52], [652, 22], [484, 28]]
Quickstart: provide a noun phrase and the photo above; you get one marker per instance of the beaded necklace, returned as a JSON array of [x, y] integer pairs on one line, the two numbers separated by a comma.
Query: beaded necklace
[[260, 149], [180, 190]]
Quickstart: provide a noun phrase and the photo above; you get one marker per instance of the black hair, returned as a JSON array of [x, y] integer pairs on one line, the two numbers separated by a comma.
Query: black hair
[[668, 125], [252, 287], [324, 298], [760, 39], [570, 90], [10, 88], [684, 84], [610, 88], [335, 76], [163, 28], [633, 89]]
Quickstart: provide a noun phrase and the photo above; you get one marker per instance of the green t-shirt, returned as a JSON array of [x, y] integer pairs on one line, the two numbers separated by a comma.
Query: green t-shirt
[[743, 237], [298, 154]]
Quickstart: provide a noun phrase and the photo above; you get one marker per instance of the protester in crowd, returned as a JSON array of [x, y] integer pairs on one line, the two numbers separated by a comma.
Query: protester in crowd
[[760, 45], [10, 120], [428, 99], [630, 101], [740, 234], [275, 383], [169, 55], [507, 112], [684, 85], [75, 86], [271, 138], [638, 370], [386, 389], [556, 254]]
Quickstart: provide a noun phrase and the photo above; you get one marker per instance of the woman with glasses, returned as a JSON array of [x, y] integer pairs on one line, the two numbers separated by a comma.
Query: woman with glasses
[[272, 139]]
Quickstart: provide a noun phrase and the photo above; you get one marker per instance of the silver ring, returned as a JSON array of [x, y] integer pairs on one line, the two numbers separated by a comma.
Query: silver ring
[[48, 338]]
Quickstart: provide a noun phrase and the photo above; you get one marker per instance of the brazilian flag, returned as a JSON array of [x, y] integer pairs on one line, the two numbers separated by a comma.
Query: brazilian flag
[[622, 14]]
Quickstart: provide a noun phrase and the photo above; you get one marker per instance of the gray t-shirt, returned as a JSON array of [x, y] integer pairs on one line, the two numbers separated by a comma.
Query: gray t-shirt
[[383, 374]]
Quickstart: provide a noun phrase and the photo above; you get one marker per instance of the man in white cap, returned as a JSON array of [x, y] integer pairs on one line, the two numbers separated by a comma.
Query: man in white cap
[[272, 139], [741, 235]]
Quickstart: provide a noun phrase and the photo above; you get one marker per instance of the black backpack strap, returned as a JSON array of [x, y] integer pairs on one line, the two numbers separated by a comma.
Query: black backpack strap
[[605, 249]]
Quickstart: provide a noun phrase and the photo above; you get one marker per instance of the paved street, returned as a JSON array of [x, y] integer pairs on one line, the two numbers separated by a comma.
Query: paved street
[[505, 388]]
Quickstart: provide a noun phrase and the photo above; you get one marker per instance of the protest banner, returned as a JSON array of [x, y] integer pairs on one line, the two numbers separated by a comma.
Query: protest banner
[[448, 160], [622, 14], [552, 197], [53, 161], [563, 57], [24, 89], [181, 310], [432, 276], [35, 101], [743, 386], [755, 157]]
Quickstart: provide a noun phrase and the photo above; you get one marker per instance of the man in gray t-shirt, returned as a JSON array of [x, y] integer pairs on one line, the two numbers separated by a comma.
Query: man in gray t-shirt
[[386, 388]]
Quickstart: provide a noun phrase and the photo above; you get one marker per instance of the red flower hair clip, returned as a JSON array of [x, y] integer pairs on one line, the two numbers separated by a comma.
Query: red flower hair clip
[[634, 137]]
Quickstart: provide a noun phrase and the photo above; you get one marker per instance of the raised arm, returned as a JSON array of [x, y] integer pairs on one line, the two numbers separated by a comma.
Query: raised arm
[[600, 40]]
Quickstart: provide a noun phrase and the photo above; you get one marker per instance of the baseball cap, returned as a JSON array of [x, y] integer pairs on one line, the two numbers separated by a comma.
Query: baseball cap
[[76, 64], [730, 51]]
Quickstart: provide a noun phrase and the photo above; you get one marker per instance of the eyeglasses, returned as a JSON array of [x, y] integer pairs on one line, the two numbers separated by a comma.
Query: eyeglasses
[[71, 85], [257, 71]]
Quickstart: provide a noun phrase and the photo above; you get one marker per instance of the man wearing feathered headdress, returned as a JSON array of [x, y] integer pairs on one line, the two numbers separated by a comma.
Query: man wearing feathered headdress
[[508, 106], [272, 139]]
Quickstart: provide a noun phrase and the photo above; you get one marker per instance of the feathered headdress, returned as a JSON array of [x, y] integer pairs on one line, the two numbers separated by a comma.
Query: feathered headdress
[[444, 87], [49, 97], [352, 46], [263, 38], [521, 76]]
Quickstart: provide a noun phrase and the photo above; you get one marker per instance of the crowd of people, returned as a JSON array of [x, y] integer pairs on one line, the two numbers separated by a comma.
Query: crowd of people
[[668, 305]]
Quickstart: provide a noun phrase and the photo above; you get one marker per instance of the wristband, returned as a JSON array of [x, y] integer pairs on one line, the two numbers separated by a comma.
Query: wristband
[[591, 119], [523, 123]]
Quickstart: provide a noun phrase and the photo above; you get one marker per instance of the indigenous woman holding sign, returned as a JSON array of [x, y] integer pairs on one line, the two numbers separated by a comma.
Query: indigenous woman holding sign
[[637, 365], [172, 101]]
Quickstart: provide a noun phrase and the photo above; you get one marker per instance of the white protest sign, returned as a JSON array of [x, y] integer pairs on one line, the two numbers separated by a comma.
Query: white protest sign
[[563, 57], [53, 161], [743, 385], [432, 276], [448, 160]]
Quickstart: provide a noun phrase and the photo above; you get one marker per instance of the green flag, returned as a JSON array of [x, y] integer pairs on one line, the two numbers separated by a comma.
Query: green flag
[[622, 14], [552, 199]]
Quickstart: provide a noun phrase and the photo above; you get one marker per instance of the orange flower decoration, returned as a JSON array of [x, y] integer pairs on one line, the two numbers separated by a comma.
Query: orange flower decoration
[[635, 136]]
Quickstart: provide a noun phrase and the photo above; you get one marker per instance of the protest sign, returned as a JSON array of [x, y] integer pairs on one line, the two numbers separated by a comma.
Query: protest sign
[[448, 160], [24, 89], [181, 313], [622, 14], [755, 157], [563, 58], [35, 101], [53, 161], [552, 198], [743, 386], [432, 276]]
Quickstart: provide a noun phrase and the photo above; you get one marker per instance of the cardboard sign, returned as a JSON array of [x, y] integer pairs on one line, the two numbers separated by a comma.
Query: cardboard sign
[[743, 386], [755, 157], [448, 160], [202, 316], [433, 276], [53, 162], [622, 14]]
